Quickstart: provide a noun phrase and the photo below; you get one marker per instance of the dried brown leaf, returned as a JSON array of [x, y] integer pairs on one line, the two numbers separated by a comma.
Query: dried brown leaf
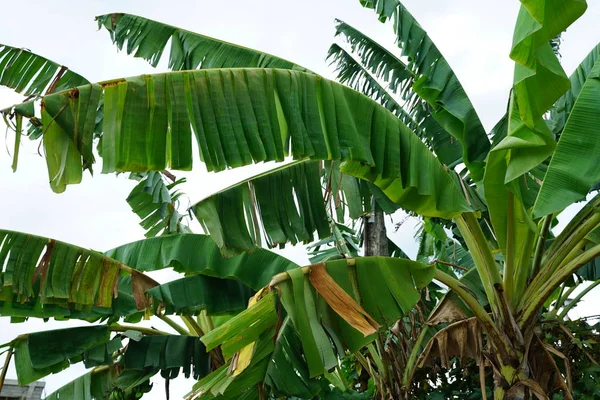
[[140, 283], [545, 371], [341, 302], [446, 312], [462, 339]]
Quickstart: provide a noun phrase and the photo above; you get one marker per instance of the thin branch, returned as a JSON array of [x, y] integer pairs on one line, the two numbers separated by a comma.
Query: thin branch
[[145, 331], [5, 367], [169, 175], [449, 264]]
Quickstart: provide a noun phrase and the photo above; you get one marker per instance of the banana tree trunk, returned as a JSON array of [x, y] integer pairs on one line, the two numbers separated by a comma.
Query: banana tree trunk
[[376, 241], [502, 390]]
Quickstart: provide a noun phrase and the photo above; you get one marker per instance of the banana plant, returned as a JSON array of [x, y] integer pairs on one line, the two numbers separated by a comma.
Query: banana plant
[[244, 107]]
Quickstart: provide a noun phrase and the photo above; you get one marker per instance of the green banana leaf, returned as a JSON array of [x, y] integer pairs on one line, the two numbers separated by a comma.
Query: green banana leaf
[[155, 202], [539, 81], [192, 294], [148, 39], [169, 354], [561, 110], [39, 354], [386, 287], [198, 254], [437, 84], [94, 385], [252, 115], [376, 62], [287, 203], [32, 74], [574, 167], [66, 275], [123, 306]]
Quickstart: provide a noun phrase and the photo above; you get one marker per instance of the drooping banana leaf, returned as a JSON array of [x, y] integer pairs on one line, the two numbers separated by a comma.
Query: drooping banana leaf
[[241, 116], [66, 275], [148, 39], [379, 63], [437, 84], [155, 202], [42, 353], [285, 204], [574, 167], [320, 301], [192, 294], [169, 354], [198, 254], [280, 365], [94, 385], [31, 74], [123, 306]]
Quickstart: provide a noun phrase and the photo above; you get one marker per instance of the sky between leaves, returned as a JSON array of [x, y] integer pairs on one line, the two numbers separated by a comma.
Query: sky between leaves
[[475, 37]]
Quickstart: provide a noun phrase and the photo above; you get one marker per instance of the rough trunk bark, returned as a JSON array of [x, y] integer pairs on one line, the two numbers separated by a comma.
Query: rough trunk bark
[[376, 241]]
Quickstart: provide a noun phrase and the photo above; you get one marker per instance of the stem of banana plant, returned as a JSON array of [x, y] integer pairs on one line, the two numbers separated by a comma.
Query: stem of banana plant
[[557, 254], [523, 270], [181, 330], [412, 359], [534, 301], [577, 299], [5, 366], [384, 361], [101, 368], [585, 221], [145, 331], [205, 321], [509, 263], [562, 297], [541, 243], [192, 325], [483, 258]]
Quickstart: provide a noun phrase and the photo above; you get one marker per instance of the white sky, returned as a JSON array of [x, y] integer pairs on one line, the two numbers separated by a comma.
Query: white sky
[[475, 37]]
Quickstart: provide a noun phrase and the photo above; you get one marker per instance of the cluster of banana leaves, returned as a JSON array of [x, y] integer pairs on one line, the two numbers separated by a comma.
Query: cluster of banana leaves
[[394, 132]]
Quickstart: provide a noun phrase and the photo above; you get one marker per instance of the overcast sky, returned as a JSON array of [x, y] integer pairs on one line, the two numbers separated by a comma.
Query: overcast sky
[[475, 36]]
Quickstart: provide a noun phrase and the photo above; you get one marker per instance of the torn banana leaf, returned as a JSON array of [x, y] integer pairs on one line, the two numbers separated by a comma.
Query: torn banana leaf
[[32, 74], [437, 84], [147, 39], [56, 272], [366, 63], [331, 307], [42, 353], [198, 254], [242, 116], [155, 202]]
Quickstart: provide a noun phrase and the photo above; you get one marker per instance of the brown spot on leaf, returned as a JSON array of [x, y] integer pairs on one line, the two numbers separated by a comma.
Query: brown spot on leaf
[[42, 268], [140, 283]]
